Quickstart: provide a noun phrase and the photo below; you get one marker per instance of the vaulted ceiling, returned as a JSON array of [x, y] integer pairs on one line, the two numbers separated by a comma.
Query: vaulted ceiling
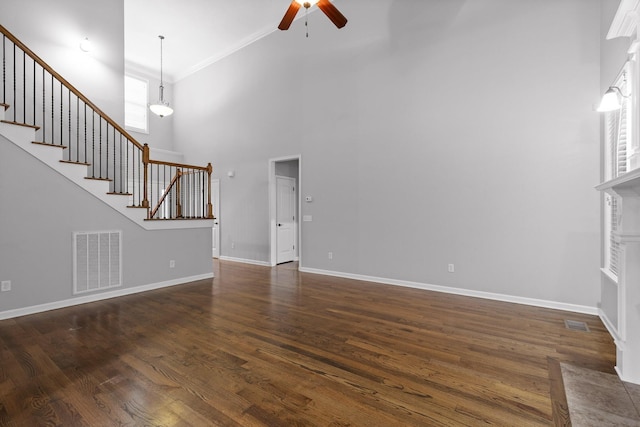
[[197, 32]]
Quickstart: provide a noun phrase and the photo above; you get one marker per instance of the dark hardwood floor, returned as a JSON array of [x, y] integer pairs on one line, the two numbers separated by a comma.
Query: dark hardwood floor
[[258, 346]]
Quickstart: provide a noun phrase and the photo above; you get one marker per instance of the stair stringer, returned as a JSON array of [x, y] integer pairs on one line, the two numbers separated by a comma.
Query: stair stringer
[[23, 137]]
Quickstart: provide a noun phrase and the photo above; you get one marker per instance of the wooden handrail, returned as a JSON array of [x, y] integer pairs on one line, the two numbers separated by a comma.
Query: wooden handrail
[[178, 165], [69, 86], [143, 153]]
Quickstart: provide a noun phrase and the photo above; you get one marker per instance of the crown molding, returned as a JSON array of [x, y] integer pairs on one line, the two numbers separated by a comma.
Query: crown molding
[[625, 22]]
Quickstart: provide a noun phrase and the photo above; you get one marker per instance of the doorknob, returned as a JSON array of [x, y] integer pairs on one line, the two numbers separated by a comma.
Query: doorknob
[[279, 225]]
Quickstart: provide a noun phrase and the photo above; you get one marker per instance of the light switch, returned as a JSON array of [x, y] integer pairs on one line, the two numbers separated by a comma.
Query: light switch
[[307, 218]]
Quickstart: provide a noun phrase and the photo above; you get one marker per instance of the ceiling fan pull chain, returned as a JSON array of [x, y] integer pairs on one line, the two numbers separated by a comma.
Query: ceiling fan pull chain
[[306, 21]]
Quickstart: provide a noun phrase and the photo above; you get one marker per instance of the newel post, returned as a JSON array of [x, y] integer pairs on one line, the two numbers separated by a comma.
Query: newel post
[[209, 205], [145, 185]]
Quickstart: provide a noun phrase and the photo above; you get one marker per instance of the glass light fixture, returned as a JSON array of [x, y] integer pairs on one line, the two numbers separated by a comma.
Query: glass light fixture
[[161, 108], [85, 45], [310, 2], [610, 100]]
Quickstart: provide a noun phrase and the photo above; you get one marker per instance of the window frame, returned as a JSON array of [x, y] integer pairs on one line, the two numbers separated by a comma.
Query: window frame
[[619, 127], [127, 126]]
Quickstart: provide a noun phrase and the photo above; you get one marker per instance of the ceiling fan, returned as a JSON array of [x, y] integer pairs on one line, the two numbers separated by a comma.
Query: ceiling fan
[[324, 5]]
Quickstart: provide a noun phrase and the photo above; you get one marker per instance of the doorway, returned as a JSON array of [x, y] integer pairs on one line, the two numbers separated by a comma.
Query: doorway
[[215, 230], [285, 219], [284, 209]]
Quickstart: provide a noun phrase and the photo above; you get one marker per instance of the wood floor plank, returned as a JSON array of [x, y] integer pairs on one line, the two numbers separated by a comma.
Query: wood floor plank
[[259, 346]]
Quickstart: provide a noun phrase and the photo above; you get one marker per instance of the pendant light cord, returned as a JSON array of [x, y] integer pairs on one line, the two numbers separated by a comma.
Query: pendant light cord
[[161, 80]]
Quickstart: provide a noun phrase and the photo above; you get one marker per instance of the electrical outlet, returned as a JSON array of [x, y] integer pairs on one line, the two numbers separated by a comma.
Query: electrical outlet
[[233, 245], [330, 255], [451, 268], [6, 285], [172, 263]]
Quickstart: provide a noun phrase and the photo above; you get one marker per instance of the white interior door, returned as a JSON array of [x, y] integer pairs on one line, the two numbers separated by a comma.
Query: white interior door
[[215, 200], [285, 218]]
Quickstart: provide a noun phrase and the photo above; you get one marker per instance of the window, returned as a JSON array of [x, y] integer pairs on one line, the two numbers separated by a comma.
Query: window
[[136, 99], [616, 163]]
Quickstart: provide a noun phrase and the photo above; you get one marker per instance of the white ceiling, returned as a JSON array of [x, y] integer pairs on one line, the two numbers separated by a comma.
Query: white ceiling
[[197, 32]]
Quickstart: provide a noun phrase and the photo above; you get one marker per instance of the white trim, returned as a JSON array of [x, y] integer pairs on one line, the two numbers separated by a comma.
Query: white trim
[[628, 180], [622, 237], [215, 201], [245, 261], [612, 277], [8, 314], [459, 291], [272, 206], [609, 325], [22, 136], [233, 49], [625, 21]]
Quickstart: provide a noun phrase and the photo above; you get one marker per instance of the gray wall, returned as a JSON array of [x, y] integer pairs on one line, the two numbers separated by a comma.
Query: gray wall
[[54, 29], [431, 132], [36, 236], [41, 209]]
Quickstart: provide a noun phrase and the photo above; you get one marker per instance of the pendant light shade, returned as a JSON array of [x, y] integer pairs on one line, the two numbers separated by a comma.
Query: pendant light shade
[[161, 108]]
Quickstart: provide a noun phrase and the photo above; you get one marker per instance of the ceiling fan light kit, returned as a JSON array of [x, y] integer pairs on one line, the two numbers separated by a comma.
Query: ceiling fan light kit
[[325, 6]]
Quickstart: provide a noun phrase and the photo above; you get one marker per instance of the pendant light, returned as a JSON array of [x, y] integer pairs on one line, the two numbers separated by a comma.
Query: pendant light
[[161, 108]]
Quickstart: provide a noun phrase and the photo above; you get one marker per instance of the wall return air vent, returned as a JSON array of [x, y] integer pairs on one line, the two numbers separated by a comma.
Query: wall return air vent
[[97, 260]]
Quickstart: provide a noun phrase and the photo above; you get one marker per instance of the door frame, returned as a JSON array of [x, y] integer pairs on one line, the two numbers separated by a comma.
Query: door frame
[[272, 208], [215, 182]]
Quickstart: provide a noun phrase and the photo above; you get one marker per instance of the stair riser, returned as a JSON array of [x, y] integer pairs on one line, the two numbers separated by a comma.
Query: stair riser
[[23, 137]]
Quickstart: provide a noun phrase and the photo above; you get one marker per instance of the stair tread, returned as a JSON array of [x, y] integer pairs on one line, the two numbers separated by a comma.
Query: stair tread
[[71, 162], [119, 194], [64, 147], [5, 106], [93, 178], [175, 219], [20, 124]]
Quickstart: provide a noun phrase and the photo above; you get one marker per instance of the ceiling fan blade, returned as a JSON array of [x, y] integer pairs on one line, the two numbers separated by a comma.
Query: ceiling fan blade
[[332, 13], [289, 15]]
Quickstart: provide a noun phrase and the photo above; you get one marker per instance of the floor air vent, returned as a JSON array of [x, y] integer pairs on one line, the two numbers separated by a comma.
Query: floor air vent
[[97, 260], [575, 325]]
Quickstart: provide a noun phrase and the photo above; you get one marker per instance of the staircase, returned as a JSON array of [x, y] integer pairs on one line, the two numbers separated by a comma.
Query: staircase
[[44, 115]]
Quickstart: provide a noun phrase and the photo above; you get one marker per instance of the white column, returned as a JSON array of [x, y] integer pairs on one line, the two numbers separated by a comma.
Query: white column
[[628, 349]]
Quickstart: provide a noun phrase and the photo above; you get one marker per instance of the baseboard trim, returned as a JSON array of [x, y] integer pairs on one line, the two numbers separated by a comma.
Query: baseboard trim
[[245, 261], [459, 291], [8, 314], [608, 324]]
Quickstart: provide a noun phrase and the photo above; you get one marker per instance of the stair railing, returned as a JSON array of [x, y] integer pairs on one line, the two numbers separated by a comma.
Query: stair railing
[[176, 199], [40, 98]]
